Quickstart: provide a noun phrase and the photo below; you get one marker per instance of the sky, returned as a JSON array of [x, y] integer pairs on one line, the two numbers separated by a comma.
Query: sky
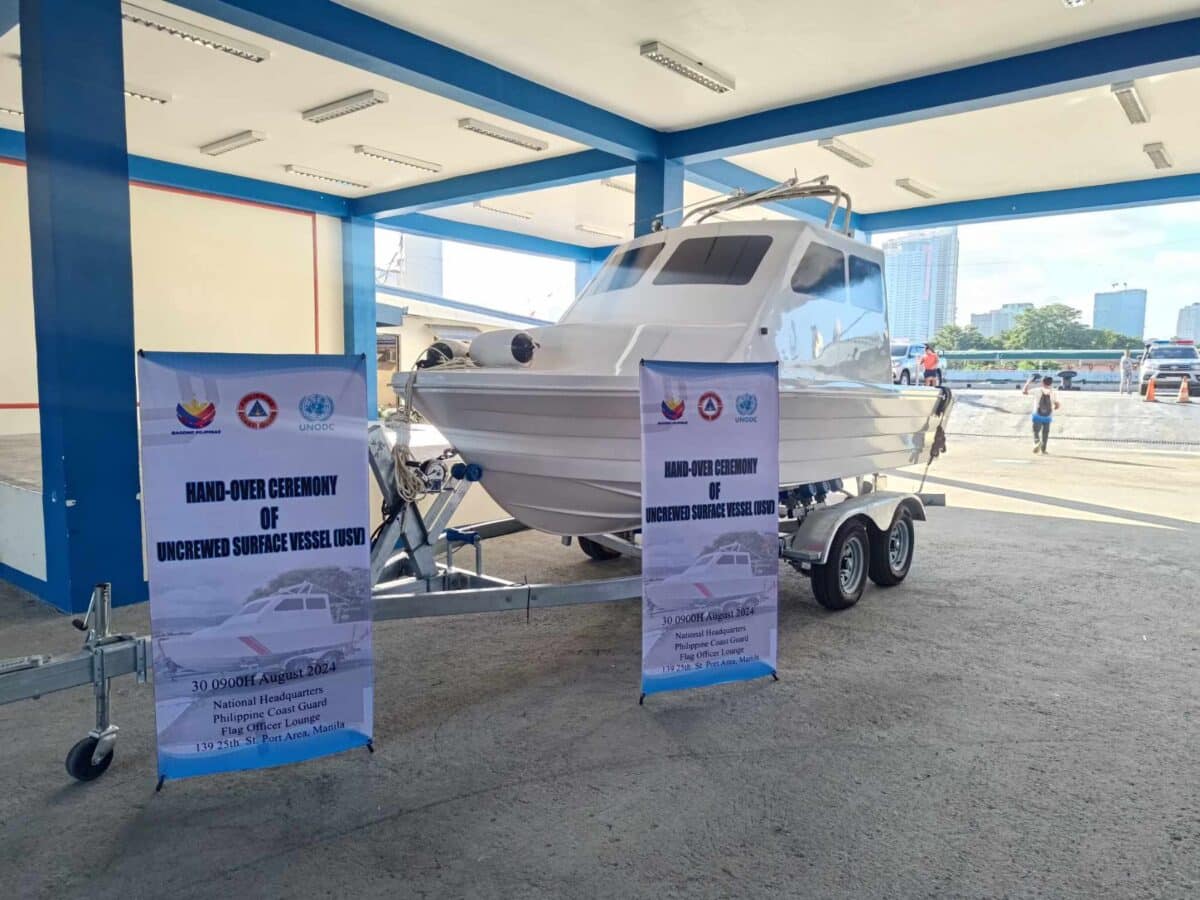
[[1052, 259], [1066, 259]]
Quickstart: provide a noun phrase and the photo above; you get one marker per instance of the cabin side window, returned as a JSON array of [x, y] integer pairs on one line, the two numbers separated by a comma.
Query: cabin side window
[[290, 603], [866, 284], [626, 270], [821, 273], [314, 602], [728, 259]]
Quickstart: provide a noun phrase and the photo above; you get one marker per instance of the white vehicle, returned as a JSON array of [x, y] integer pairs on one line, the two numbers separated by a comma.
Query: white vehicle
[[724, 576], [906, 362], [289, 629], [552, 417], [1169, 363]]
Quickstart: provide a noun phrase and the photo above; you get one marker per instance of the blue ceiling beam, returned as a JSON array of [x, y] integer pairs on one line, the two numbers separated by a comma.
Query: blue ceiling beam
[[1117, 57], [203, 181], [1119, 195], [481, 235], [556, 171], [724, 176], [332, 30]]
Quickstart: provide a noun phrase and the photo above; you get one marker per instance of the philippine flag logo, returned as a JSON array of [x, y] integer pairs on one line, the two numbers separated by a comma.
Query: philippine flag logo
[[194, 414], [672, 409]]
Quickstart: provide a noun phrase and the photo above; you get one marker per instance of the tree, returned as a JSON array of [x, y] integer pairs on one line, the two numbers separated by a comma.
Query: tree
[[1052, 327], [955, 337]]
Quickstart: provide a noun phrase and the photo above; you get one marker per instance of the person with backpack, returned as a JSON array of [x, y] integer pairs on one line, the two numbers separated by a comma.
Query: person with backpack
[[1043, 411]]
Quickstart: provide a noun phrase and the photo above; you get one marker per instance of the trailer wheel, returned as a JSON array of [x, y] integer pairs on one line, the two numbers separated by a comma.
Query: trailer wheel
[[892, 551], [79, 760], [596, 551], [839, 583]]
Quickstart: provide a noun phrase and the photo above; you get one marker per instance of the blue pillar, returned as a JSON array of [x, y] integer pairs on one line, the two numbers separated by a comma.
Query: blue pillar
[[78, 178], [658, 190], [358, 297]]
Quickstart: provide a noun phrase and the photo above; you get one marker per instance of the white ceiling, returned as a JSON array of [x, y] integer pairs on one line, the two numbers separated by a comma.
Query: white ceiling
[[1081, 138], [215, 95], [778, 52]]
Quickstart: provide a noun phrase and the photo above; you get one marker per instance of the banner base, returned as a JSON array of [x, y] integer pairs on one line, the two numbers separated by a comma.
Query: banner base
[[261, 756], [657, 684]]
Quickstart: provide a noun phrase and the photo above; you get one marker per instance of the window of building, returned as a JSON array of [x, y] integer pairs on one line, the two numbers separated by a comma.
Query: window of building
[[821, 273], [866, 284], [626, 270], [730, 260]]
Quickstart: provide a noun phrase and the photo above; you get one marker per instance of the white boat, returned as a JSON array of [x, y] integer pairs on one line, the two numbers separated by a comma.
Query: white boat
[[291, 627], [721, 577], [558, 434]]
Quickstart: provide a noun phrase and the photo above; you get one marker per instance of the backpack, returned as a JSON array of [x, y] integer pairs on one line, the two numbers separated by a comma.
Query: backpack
[[1045, 405]]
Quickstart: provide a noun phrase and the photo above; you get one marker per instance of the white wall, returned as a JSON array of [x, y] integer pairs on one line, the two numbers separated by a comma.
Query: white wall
[[208, 274]]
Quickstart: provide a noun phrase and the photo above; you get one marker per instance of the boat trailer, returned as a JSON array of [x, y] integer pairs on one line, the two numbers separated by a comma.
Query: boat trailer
[[414, 575]]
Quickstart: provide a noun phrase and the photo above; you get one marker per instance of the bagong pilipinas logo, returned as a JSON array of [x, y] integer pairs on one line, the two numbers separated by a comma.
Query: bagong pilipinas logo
[[709, 406], [257, 410], [195, 415], [746, 405]]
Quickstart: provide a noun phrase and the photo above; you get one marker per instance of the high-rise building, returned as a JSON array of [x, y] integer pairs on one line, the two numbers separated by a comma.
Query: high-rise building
[[1122, 311], [408, 261], [998, 321], [921, 272], [1188, 324]]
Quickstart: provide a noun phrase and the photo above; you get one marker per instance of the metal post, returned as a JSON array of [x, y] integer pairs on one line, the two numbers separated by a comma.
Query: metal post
[[658, 188]]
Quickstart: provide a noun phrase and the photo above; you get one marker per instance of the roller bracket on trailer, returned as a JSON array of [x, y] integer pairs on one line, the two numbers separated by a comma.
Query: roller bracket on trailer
[[838, 544]]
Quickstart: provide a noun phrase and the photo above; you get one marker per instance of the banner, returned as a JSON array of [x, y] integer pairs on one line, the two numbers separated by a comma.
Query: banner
[[710, 529], [254, 491]]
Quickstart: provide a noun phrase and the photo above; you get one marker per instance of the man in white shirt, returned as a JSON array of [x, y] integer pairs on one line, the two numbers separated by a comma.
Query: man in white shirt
[[1127, 373], [1044, 405]]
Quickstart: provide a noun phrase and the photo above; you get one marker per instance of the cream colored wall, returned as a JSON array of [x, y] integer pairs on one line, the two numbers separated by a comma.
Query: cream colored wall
[[208, 274]]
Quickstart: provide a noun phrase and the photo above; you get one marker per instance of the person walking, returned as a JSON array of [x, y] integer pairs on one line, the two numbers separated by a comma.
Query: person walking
[[1127, 373], [930, 364], [1043, 411]]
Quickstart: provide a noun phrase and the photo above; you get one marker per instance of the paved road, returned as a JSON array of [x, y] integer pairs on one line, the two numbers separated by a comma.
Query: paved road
[[1019, 719]]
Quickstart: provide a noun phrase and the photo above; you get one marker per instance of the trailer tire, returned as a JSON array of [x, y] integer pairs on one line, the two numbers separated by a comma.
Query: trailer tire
[[79, 760], [892, 550], [838, 583], [598, 552]]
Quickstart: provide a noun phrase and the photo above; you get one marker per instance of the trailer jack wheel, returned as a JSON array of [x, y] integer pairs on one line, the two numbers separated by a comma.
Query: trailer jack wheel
[[596, 551], [80, 763], [838, 583]]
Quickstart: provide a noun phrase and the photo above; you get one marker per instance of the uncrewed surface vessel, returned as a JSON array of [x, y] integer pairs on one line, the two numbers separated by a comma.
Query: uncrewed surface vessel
[[558, 436]]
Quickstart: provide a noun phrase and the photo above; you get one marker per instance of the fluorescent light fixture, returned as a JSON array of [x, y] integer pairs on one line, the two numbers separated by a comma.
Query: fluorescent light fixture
[[193, 34], [137, 93], [850, 155], [682, 64], [324, 176], [1127, 95], [233, 142], [399, 158], [1074, 4], [479, 204], [617, 186], [915, 187], [11, 112], [1158, 155], [599, 232], [502, 134], [345, 106]]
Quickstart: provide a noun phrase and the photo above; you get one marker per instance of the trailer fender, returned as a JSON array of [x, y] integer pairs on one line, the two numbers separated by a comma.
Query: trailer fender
[[811, 541]]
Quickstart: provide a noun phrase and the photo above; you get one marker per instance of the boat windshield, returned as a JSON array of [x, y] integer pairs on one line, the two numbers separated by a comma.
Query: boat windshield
[[251, 608], [711, 262]]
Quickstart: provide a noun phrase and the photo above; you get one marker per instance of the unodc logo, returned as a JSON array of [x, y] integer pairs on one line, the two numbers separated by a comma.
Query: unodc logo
[[746, 405], [317, 409]]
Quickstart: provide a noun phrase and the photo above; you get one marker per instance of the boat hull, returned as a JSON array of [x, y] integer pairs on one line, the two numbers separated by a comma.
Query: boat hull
[[562, 453]]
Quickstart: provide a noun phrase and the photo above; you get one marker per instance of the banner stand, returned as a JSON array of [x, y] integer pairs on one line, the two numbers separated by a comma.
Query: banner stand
[[710, 523]]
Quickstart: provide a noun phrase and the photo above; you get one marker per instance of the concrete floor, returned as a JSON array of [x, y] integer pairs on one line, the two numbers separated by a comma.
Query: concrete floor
[[1019, 719]]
